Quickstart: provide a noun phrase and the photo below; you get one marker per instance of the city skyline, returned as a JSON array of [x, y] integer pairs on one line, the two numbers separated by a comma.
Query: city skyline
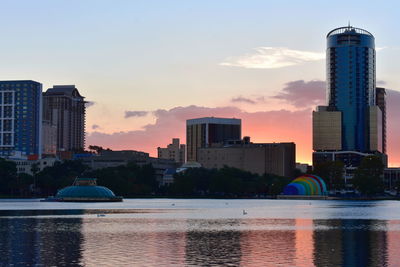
[[147, 67]]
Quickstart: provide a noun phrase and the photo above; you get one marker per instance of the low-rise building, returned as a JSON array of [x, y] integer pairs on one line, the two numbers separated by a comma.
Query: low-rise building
[[109, 158], [26, 166], [174, 151], [260, 158]]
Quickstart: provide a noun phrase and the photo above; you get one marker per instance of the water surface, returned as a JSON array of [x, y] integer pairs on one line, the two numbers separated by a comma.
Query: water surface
[[200, 232]]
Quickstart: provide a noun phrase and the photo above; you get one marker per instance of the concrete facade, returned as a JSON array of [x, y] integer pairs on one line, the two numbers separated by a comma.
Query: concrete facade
[[204, 132], [174, 151], [49, 138], [327, 130], [64, 107], [273, 158]]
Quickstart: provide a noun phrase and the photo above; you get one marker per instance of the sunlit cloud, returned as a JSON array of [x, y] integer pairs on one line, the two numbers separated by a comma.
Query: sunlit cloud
[[273, 58]]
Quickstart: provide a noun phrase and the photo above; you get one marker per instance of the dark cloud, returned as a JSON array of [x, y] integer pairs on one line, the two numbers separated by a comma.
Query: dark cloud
[[242, 99], [95, 126], [89, 103], [303, 94], [380, 83], [135, 113]]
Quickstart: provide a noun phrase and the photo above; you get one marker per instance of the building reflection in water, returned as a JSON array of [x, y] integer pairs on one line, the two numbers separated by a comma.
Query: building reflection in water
[[208, 246], [57, 241], [350, 243], [277, 245], [133, 242], [35, 241]]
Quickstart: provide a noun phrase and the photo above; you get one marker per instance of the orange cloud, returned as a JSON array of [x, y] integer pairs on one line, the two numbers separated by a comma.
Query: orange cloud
[[266, 126]]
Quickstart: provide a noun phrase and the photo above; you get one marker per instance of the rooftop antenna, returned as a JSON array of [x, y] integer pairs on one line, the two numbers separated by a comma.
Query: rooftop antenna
[[349, 25]]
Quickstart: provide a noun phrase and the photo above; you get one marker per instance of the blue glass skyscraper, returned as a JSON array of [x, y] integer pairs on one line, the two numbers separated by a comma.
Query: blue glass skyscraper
[[350, 59], [20, 118], [352, 124]]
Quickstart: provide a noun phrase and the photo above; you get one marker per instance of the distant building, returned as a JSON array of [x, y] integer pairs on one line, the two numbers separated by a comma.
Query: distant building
[[381, 103], [392, 179], [20, 119], [303, 167], [25, 166], [65, 107], [204, 132], [109, 158], [49, 138], [353, 123], [174, 151], [260, 158]]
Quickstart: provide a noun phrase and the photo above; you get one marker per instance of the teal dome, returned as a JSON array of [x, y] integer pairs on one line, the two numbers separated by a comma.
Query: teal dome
[[85, 192]]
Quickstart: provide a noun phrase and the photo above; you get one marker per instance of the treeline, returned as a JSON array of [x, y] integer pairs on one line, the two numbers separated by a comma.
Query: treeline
[[367, 178], [134, 180], [225, 182]]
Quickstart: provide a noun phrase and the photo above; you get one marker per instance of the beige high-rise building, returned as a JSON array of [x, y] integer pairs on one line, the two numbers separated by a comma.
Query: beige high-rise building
[[64, 107], [327, 129], [375, 129], [260, 158], [174, 151]]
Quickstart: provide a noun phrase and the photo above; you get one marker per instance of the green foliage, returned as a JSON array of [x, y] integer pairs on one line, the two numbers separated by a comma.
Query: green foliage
[[8, 173], [331, 172], [129, 180], [368, 177], [227, 182], [62, 174]]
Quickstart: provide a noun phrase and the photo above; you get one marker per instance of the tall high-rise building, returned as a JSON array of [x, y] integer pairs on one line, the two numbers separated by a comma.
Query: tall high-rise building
[[203, 132], [20, 119], [65, 107], [352, 123]]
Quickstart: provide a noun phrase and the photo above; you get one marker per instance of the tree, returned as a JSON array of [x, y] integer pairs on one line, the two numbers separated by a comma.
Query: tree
[[8, 173], [368, 177], [331, 172]]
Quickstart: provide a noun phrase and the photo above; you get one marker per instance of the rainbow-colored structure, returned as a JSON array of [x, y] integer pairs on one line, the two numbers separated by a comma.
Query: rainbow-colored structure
[[306, 185]]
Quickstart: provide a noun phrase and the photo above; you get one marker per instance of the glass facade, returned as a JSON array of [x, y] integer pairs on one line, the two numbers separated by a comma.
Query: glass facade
[[351, 82], [20, 118]]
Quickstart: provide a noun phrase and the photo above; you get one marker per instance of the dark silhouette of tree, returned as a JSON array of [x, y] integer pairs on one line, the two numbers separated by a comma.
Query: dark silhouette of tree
[[368, 177], [331, 172]]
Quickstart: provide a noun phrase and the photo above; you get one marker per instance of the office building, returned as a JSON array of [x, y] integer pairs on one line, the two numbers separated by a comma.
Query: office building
[[174, 151], [260, 158], [49, 138], [20, 119], [352, 125], [381, 103], [65, 108], [205, 132]]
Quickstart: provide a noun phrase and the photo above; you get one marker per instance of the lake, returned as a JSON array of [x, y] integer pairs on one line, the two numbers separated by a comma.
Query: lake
[[200, 232]]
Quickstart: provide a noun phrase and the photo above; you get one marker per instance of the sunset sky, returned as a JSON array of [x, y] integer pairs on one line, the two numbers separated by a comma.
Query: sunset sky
[[147, 66]]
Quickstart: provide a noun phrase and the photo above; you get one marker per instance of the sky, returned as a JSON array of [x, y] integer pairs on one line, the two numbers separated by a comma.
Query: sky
[[147, 66]]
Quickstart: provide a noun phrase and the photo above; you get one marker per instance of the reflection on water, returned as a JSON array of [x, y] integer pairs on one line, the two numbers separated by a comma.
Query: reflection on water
[[117, 239]]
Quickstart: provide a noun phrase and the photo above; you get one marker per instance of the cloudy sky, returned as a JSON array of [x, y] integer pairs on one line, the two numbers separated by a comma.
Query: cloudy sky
[[147, 66]]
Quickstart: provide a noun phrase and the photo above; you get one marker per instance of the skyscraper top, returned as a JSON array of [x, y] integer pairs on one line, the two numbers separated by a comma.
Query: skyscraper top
[[215, 120], [348, 30]]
